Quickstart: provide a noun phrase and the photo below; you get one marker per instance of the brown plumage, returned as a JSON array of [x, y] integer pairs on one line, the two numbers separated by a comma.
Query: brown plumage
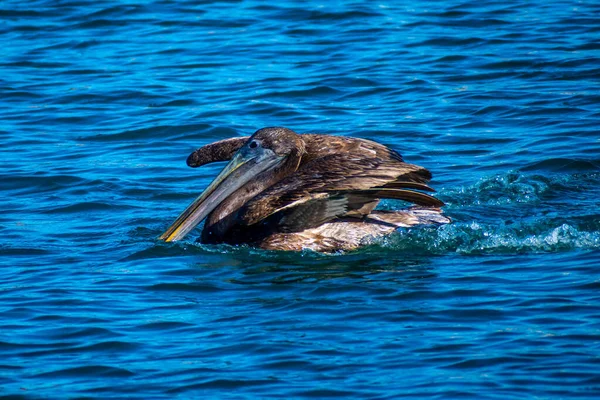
[[319, 192]]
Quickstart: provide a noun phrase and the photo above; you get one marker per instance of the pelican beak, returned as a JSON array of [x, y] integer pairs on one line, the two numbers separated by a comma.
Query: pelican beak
[[244, 166]]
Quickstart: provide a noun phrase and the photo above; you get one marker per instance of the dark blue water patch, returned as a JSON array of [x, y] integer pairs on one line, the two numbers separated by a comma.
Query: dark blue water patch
[[33, 64], [161, 132], [100, 371], [23, 251], [566, 165]]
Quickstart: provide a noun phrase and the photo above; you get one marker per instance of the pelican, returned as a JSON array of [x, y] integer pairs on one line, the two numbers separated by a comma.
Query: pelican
[[287, 191]]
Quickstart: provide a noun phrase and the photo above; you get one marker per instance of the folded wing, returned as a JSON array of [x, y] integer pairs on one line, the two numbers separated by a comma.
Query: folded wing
[[334, 186]]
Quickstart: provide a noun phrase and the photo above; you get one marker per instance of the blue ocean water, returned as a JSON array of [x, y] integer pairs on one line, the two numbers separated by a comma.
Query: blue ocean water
[[101, 102]]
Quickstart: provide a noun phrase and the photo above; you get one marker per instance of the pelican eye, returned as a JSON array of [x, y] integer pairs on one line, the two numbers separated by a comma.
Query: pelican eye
[[253, 144]]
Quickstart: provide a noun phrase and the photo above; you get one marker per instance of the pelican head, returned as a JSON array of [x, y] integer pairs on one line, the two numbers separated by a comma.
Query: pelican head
[[265, 150]]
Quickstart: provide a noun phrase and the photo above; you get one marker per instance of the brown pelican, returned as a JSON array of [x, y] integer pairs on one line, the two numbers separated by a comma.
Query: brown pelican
[[287, 191]]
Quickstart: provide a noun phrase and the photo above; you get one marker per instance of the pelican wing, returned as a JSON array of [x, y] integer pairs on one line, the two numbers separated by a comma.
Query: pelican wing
[[333, 186], [318, 146], [353, 203]]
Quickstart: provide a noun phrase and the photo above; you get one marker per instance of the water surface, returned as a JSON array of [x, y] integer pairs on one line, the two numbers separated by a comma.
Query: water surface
[[101, 102]]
